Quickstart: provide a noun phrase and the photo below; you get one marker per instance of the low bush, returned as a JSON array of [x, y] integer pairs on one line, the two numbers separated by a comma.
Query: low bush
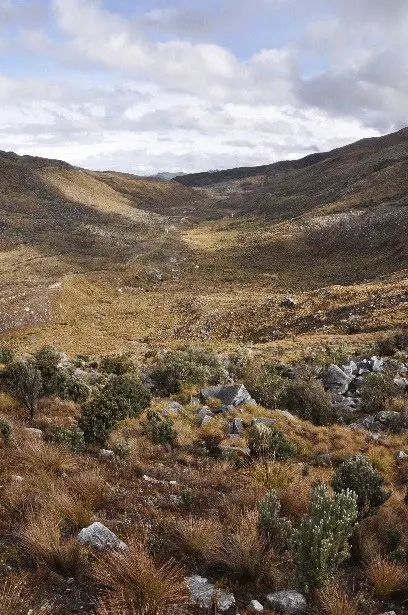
[[171, 371], [6, 431], [358, 474], [270, 443], [122, 449], [308, 400], [7, 355], [377, 392], [393, 342], [47, 360], [129, 394], [161, 429], [22, 380], [99, 417], [320, 543], [265, 383], [70, 437], [118, 365]]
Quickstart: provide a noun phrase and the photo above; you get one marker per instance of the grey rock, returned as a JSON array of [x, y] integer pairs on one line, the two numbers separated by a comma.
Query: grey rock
[[204, 411], [255, 607], [236, 427], [16, 478], [100, 537], [208, 597], [207, 420], [389, 613], [232, 395], [172, 408], [105, 453], [386, 417], [323, 459], [336, 380], [401, 455], [34, 433], [227, 450], [291, 602], [286, 414], [376, 364]]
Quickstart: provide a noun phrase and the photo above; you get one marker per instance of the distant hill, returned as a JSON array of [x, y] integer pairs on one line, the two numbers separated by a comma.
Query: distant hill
[[167, 176]]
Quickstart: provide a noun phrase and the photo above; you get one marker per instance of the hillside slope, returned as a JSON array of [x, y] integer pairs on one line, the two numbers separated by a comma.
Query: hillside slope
[[97, 262]]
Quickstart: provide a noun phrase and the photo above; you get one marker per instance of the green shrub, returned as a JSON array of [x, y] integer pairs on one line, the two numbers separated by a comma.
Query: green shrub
[[98, 419], [119, 364], [377, 392], [270, 443], [265, 383], [70, 437], [270, 524], [320, 543], [171, 371], [47, 360], [22, 380], [122, 397], [69, 387], [129, 393], [122, 449], [6, 431], [357, 474], [161, 429], [7, 355], [308, 400], [393, 342]]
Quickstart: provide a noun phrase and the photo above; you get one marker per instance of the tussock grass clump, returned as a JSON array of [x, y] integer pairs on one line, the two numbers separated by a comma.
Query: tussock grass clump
[[36, 457], [15, 598], [132, 584], [386, 577], [333, 599], [44, 544], [196, 538]]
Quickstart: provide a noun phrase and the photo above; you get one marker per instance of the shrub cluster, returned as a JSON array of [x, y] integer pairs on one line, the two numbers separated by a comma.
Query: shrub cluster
[[160, 428], [357, 474], [270, 443], [171, 371], [308, 400]]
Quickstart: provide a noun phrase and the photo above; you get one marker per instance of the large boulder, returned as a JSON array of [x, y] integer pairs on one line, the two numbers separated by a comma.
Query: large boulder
[[233, 395], [209, 598], [100, 537], [335, 379], [291, 602]]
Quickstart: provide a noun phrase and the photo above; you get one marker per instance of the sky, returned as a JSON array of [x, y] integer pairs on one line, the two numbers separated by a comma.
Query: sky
[[145, 86]]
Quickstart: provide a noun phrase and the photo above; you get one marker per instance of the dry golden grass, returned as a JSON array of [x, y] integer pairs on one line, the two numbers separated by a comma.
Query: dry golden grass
[[246, 556], [133, 584], [41, 457], [274, 475], [44, 544], [15, 598], [198, 539], [91, 488], [334, 600], [386, 577]]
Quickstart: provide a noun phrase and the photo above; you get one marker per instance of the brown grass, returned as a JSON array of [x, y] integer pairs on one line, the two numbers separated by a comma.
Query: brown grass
[[334, 600], [133, 584], [386, 577], [198, 539], [43, 542], [246, 555], [37, 457], [15, 598]]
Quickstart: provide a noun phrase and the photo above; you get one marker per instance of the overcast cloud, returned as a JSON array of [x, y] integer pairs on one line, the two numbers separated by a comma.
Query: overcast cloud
[[188, 85]]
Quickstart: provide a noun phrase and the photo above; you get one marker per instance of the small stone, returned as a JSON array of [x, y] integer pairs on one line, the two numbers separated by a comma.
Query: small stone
[[236, 427], [17, 479], [100, 537], [255, 607], [207, 420], [401, 455], [34, 433], [263, 421], [106, 454], [291, 602]]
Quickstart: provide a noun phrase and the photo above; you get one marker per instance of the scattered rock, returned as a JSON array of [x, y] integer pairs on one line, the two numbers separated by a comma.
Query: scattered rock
[[173, 408], [105, 453], [255, 607], [228, 450], [17, 479], [100, 537], [34, 433], [207, 420], [232, 395], [290, 602], [236, 427], [401, 456], [336, 379], [208, 597]]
